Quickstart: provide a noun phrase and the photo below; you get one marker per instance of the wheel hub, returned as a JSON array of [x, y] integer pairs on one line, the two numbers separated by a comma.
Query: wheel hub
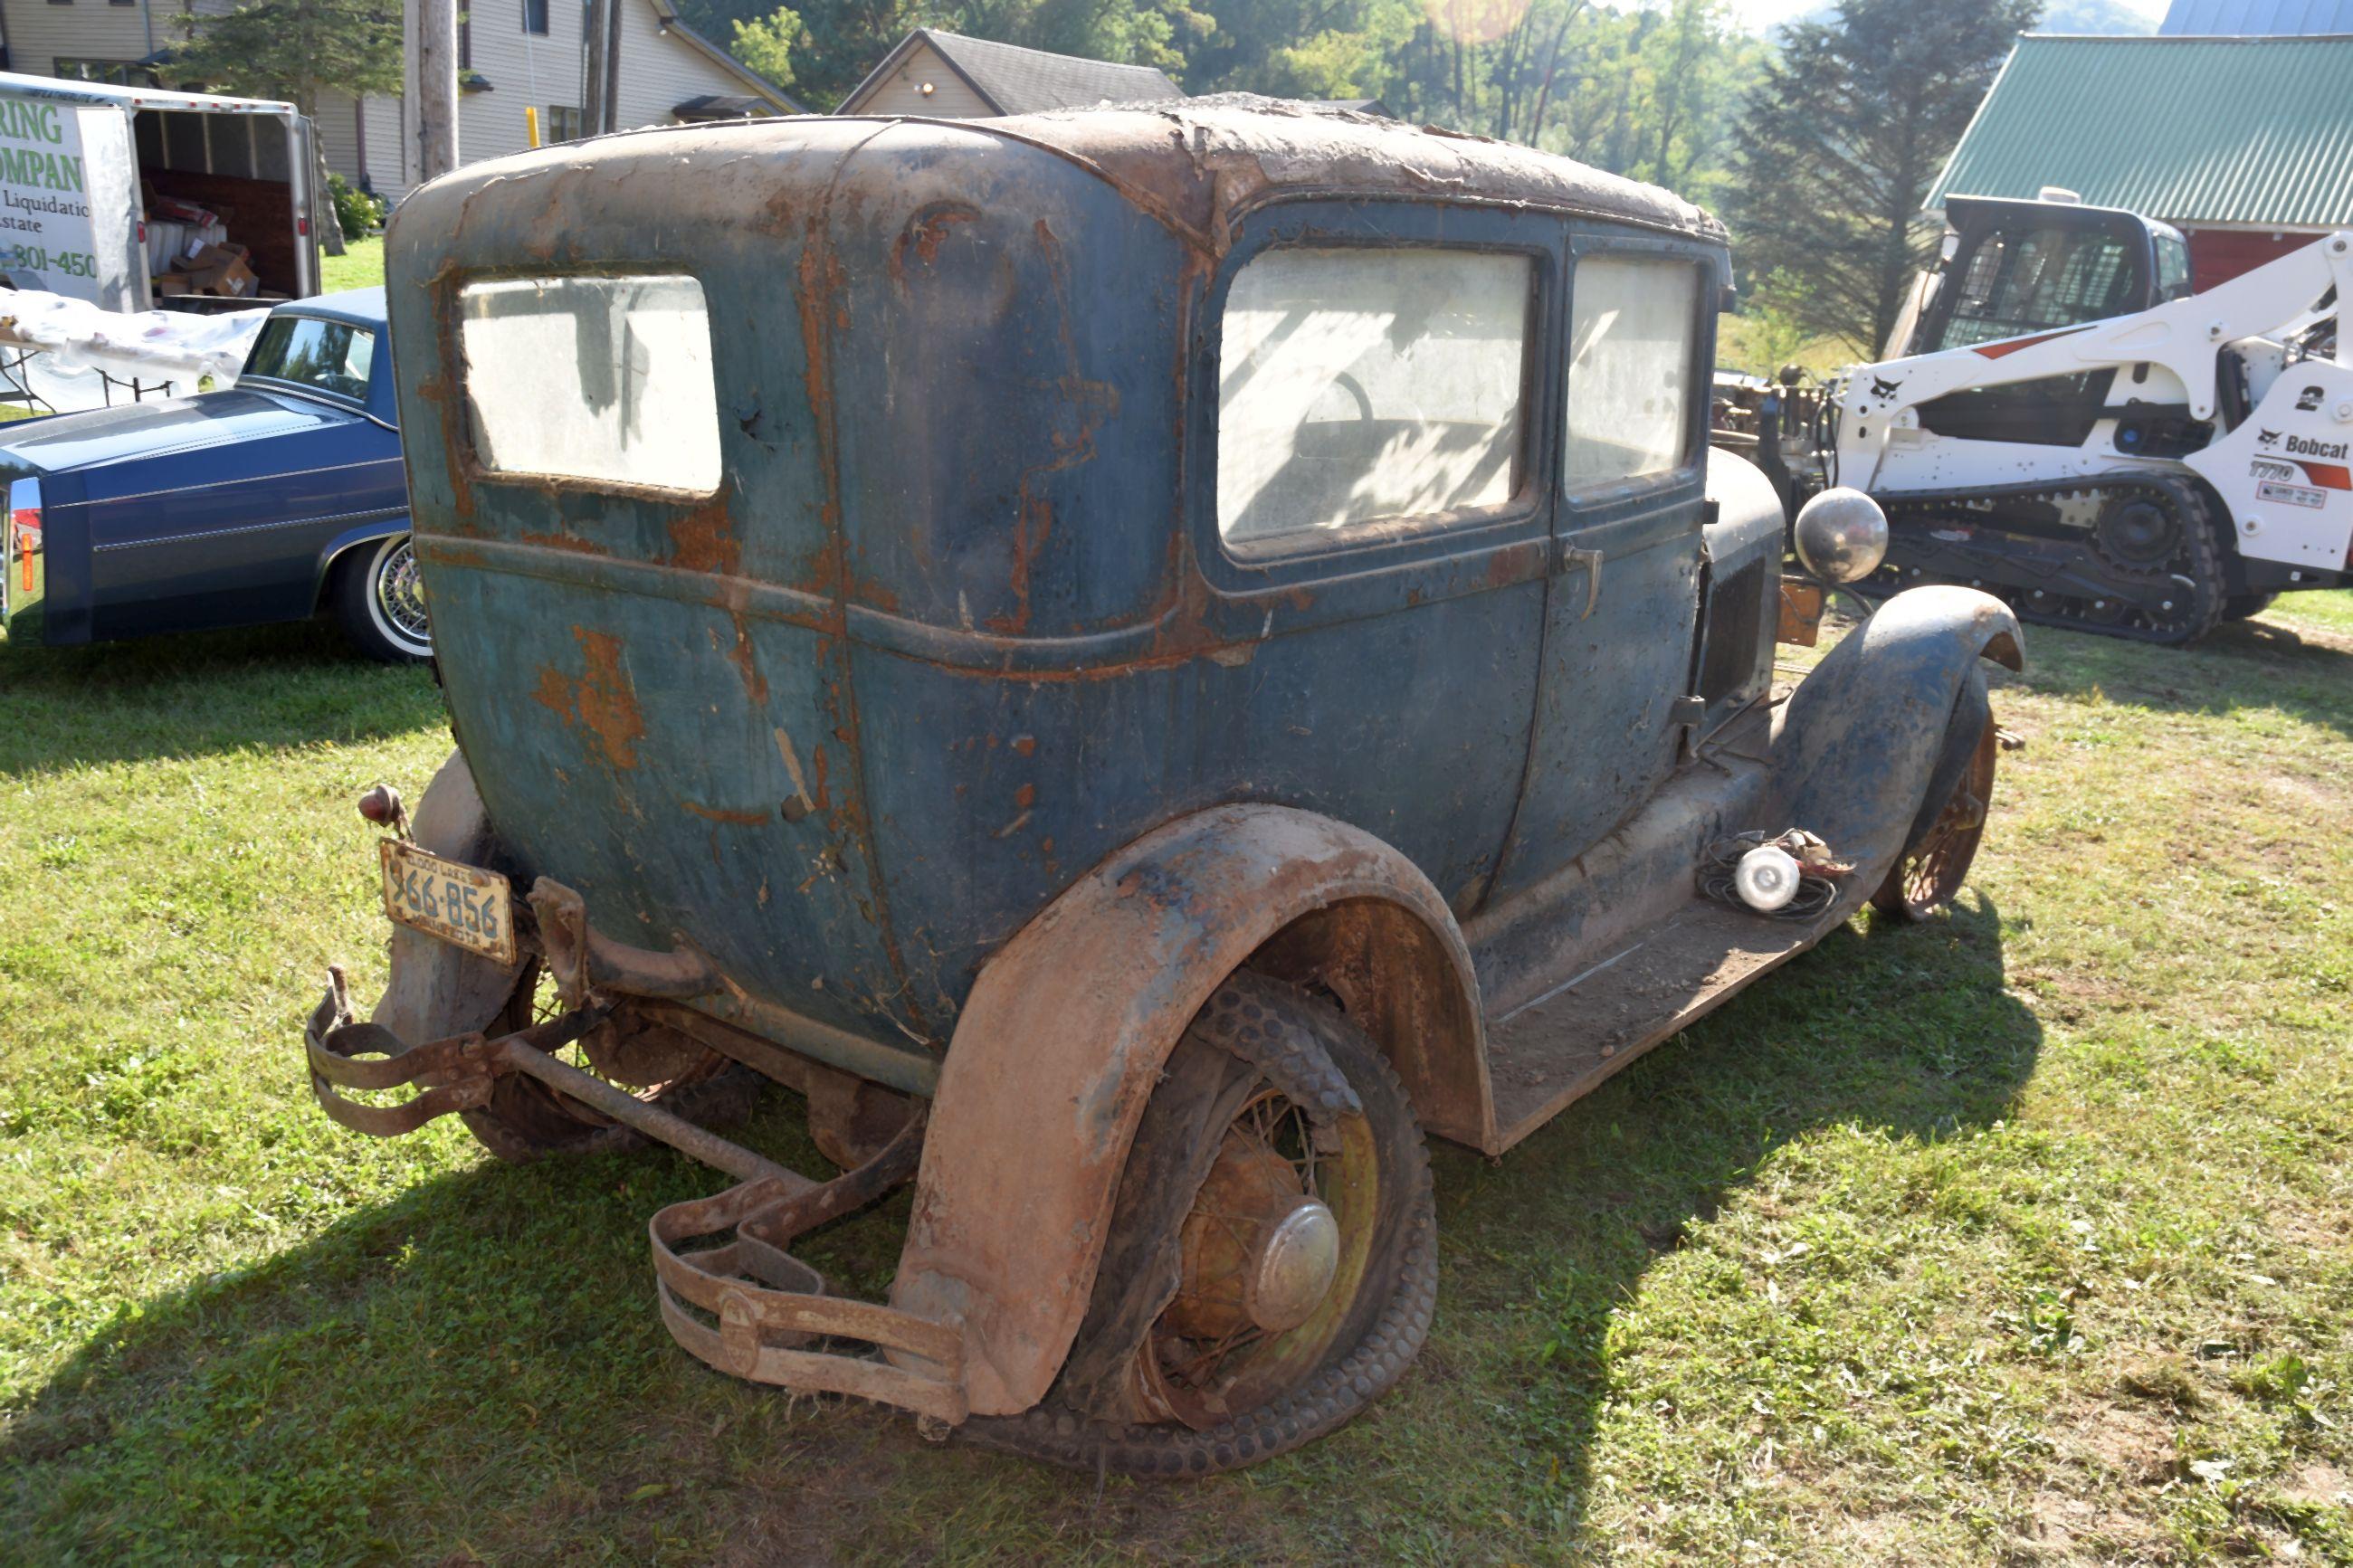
[[2139, 533], [1259, 1252]]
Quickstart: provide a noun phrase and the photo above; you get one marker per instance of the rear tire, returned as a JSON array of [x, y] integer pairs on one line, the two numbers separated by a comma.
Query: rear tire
[[1146, 1390], [380, 602]]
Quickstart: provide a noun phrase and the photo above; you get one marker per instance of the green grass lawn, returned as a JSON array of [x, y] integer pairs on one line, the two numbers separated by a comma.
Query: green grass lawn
[[2023, 1237], [360, 266]]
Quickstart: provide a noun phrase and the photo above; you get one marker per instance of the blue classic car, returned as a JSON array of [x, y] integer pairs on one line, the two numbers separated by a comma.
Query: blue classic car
[[272, 500]]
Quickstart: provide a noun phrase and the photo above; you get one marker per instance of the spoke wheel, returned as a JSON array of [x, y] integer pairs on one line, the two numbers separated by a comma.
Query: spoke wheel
[[1927, 876], [379, 597], [1270, 1267], [525, 1120]]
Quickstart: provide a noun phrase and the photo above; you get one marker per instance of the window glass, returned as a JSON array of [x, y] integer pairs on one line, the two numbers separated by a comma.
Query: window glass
[[326, 356], [2037, 279], [1357, 384], [593, 378], [1630, 366], [2172, 268]]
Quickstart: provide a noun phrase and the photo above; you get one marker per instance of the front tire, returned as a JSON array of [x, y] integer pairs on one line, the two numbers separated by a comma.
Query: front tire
[[380, 601], [1272, 1266]]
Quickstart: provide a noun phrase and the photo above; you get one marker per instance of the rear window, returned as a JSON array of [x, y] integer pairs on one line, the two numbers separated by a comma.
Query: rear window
[[603, 379], [1359, 384], [326, 356]]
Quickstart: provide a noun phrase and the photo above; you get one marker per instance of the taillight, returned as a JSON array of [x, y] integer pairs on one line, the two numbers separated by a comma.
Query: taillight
[[302, 226]]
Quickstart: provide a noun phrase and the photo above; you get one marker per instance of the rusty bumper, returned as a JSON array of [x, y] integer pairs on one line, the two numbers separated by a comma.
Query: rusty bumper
[[770, 1317]]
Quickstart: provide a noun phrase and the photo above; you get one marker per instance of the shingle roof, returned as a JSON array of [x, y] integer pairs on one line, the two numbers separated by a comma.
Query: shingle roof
[[1016, 80], [2190, 129], [2243, 17]]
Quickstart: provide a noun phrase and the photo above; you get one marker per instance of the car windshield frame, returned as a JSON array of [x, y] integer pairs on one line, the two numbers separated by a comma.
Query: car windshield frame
[[359, 401]]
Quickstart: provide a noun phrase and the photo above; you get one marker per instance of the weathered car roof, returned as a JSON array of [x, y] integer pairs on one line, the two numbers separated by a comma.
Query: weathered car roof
[[1246, 146], [1196, 161]]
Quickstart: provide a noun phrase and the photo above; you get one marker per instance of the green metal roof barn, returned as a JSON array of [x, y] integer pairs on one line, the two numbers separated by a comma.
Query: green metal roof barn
[[2244, 142]]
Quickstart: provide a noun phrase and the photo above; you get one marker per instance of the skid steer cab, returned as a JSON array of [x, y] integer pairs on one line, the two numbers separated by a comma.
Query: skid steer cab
[[1144, 663]]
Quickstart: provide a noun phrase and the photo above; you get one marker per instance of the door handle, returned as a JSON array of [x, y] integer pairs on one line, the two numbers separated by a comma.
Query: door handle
[[1570, 556]]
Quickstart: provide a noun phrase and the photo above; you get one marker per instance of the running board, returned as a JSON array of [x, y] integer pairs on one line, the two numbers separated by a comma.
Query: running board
[[1564, 1042]]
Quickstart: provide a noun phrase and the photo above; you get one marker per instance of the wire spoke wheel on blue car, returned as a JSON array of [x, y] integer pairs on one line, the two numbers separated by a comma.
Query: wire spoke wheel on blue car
[[1271, 1263], [380, 600], [1928, 874]]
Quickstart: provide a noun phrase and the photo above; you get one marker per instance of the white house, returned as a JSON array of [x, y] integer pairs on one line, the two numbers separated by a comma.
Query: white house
[[947, 76], [512, 54]]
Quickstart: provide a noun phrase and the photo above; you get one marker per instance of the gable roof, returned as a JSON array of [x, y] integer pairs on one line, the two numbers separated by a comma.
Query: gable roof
[[1015, 81], [668, 20], [2255, 132]]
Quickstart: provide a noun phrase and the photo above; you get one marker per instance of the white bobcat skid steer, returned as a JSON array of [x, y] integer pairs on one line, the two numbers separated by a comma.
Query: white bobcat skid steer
[[2144, 473]]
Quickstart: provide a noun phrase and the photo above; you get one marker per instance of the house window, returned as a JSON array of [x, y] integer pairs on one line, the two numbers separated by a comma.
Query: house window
[[563, 123], [1632, 323], [535, 16], [1362, 384]]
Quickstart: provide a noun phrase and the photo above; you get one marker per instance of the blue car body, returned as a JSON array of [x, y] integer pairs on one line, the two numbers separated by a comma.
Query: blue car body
[[227, 508]]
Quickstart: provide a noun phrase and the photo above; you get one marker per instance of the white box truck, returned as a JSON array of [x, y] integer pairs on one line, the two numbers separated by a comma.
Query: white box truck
[[77, 161]]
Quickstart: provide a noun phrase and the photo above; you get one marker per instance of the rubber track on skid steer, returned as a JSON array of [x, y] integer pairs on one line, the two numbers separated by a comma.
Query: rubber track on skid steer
[[2198, 560]]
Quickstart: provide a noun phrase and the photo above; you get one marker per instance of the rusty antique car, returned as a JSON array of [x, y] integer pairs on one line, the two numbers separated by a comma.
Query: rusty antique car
[[1145, 661]]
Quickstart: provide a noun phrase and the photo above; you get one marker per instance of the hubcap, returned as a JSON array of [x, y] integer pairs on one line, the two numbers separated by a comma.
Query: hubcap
[[400, 593]]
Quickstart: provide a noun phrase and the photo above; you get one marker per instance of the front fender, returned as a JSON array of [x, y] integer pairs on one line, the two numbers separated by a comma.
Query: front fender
[[1064, 1038], [1856, 748]]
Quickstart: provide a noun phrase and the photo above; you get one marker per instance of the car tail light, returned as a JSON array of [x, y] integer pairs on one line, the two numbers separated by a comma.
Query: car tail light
[[302, 226], [24, 522]]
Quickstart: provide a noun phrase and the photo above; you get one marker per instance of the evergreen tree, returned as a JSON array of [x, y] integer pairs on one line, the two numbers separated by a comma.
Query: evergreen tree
[[291, 49], [1841, 140]]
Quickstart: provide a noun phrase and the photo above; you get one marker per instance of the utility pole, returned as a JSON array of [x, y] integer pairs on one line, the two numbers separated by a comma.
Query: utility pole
[[612, 64], [437, 86], [593, 79]]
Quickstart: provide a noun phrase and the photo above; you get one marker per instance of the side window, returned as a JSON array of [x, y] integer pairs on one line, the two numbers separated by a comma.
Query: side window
[[1362, 384], [1632, 325]]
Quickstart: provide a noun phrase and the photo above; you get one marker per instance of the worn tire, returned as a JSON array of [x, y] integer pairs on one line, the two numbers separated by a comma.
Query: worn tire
[[376, 601], [1315, 1056]]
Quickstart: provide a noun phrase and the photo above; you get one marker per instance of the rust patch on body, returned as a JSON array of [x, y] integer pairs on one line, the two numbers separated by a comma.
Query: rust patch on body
[[925, 233], [718, 813], [600, 701]]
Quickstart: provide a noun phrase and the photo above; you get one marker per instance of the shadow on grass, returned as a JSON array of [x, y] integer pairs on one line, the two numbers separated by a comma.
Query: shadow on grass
[[477, 1367], [199, 693], [2242, 664]]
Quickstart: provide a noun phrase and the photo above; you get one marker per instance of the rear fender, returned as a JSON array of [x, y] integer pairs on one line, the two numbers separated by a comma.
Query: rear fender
[[439, 989], [1856, 749], [349, 540], [1066, 1031]]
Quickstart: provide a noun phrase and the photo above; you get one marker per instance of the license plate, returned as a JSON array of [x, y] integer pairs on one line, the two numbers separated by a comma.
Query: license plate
[[459, 904]]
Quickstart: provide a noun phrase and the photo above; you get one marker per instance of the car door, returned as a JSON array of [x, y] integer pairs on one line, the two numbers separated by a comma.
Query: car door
[[1621, 611], [1373, 427]]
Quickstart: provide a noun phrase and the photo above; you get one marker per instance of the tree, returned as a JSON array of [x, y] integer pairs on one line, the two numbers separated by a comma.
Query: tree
[[291, 49], [766, 44], [1839, 142]]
